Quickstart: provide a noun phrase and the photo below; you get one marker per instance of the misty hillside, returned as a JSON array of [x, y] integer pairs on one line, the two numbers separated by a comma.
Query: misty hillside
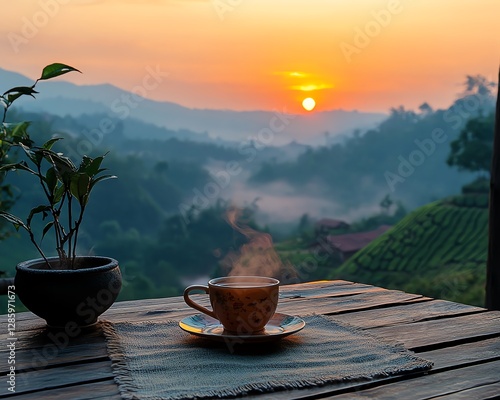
[[405, 156], [439, 250], [64, 98]]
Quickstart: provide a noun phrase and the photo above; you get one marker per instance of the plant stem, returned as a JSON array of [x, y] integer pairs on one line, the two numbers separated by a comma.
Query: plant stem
[[58, 229], [54, 216], [5, 112], [33, 240], [70, 231], [77, 228]]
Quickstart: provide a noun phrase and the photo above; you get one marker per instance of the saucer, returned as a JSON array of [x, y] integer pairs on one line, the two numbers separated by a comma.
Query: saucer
[[279, 326]]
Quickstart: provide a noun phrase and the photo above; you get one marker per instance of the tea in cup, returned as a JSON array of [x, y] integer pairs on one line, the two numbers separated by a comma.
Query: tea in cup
[[243, 304]]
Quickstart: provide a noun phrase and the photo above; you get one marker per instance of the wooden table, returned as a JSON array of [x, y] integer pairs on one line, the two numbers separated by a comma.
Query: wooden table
[[463, 342]]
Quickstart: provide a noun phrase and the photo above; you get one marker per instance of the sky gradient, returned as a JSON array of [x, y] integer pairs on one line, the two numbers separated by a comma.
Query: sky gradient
[[368, 55]]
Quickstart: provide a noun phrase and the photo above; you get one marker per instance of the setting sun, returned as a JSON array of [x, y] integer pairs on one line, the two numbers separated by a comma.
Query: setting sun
[[308, 103]]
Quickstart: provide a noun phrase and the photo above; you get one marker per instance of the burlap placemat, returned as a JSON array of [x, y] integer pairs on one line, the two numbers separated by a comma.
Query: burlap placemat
[[157, 360]]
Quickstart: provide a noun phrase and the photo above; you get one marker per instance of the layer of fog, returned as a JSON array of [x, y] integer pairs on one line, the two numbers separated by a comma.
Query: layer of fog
[[279, 202]]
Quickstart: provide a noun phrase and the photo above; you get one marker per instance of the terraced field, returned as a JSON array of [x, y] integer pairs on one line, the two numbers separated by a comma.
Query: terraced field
[[439, 250]]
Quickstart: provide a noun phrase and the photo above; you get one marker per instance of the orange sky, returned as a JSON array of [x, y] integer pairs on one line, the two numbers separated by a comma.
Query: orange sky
[[262, 54]]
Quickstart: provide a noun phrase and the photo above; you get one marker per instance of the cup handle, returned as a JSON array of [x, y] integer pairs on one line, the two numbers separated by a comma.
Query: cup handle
[[196, 306]]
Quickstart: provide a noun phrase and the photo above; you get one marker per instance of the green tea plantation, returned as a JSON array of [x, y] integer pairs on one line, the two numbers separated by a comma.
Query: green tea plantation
[[439, 250]]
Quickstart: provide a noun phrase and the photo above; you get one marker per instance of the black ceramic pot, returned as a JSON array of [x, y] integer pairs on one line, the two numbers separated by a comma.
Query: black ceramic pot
[[68, 298]]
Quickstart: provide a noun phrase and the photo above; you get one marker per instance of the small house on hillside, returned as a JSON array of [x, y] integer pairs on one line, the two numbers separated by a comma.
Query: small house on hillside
[[348, 244], [326, 226]]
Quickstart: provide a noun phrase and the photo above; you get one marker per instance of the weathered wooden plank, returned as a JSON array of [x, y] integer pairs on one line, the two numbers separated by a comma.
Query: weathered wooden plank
[[464, 354], [443, 331], [20, 316], [34, 358], [327, 291], [41, 334], [334, 285], [407, 313], [53, 348], [448, 383], [52, 378], [481, 392], [97, 390], [333, 306], [40, 337]]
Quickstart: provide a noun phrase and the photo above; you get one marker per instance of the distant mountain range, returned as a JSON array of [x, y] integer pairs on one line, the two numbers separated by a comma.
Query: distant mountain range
[[272, 128]]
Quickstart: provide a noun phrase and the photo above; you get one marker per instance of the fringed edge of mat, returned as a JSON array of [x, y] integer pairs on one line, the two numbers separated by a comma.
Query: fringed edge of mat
[[117, 354]]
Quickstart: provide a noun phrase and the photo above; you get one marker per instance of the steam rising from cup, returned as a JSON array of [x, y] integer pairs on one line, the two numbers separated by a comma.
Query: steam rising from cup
[[257, 257]]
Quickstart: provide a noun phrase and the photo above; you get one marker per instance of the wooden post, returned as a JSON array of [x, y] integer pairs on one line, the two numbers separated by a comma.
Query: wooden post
[[493, 264]]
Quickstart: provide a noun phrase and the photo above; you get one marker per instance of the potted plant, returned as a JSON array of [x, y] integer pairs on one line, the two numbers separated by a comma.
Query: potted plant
[[67, 288]]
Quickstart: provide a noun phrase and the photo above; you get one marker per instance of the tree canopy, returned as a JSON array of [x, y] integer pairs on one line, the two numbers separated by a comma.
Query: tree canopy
[[472, 150]]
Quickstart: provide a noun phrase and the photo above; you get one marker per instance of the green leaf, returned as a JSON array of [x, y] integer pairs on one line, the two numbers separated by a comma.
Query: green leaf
[[18, 91], [93, 168], [37, 210], [64, 167], [47, 227], [9, 126], [36, 158], [51, 179], [56, 69], [17, 133], [20, 129], [49, 143], [101, 178], [27, 90], [80, 187], [84, 163], [61, 162], [59, 194]]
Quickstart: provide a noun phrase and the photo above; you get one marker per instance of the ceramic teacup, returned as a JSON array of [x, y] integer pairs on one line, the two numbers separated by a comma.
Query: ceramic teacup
[[243, 304]]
